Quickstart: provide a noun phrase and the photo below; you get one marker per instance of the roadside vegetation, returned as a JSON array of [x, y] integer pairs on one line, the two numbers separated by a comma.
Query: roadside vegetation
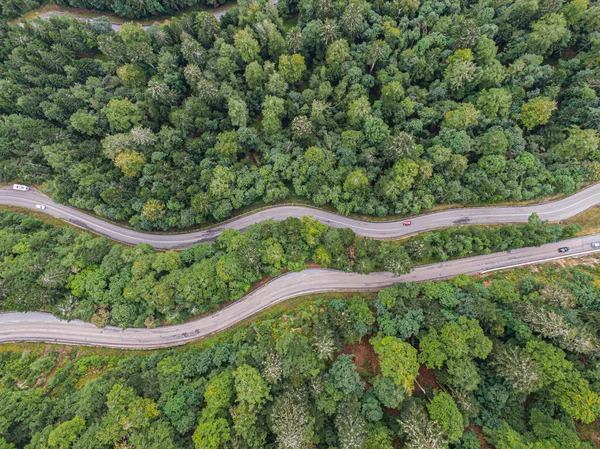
[[384, 108], [589, 221], [509, 362], [118, 9], [78, 275]]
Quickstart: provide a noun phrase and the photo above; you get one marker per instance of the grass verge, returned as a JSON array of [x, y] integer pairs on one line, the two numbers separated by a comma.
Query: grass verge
[[589, 219]]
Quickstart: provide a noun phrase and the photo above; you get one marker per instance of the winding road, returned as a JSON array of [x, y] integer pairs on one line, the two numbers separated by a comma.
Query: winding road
[[218, 12], [42, 327], [552, 211], [117, 26]]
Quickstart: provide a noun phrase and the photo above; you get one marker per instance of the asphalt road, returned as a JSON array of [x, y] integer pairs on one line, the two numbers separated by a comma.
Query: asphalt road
[[553, 211], [41, 327], [117, 26]]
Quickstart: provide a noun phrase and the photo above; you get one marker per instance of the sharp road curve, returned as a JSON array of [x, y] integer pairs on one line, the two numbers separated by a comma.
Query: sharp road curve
[[553, 211], [41, 327]]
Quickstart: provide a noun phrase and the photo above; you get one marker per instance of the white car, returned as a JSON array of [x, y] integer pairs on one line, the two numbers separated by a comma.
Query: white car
[[596, 245], [40, 206]]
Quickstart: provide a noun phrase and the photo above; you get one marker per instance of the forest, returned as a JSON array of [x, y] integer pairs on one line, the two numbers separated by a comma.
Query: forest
[[510, 362], [78, 275], [375, 108]]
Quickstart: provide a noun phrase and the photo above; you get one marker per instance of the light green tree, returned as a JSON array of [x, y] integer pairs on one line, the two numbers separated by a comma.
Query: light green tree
[[122, 114], [292, 67], [66, 433], [247, 45], [444, 410], [397, 360], [537, 111]]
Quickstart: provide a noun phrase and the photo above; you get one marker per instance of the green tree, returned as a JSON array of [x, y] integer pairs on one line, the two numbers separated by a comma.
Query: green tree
[[356, 183], [247, 45], [238, 112], [132, 75], [85, 122], [337, 53], [375, 52], [5, 445], [359, 110], [550, 33], [388, 393], [397, 360], [581, 143], [153, 210], [130, 162], [460, 69], [291, 421], [127, 416], [537, 111], [254, 75], [345, 377], [250, 387], [461, 118], [444, 410], [292, 67], [457, 340], [227, 146], [494, 102], [212, 434], [122, 114], [138, 43], [66, 433]]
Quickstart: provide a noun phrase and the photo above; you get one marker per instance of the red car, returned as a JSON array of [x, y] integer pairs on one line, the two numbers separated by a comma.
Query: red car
[[406, 223]]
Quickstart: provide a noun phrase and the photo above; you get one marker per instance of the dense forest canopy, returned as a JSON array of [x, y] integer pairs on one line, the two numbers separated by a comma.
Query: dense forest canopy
[[512, 359], [380, 108], [76, 275]]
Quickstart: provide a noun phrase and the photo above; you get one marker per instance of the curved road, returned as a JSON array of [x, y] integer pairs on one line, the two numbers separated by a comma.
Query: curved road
[[117, 26], [41, 327], [220, 11], [553, 211]]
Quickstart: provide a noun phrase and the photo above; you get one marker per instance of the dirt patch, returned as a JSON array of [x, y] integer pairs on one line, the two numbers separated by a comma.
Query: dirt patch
[[426, 379], [588, 261], [365, 358], [61, 359], [569, 53], [91, 374], [590, 432], [481, 437]]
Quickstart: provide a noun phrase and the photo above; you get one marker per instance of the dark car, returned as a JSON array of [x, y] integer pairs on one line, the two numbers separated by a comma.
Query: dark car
[[564, 249]]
